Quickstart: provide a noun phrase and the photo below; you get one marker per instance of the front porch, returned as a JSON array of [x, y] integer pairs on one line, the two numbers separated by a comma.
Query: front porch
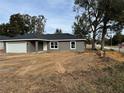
[[37, 46]]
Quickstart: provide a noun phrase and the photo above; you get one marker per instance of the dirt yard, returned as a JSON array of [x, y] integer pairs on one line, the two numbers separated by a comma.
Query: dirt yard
[[50, 72]]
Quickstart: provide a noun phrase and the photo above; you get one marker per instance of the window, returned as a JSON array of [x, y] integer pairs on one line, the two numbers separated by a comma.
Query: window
[[54, 45], [73, 45]]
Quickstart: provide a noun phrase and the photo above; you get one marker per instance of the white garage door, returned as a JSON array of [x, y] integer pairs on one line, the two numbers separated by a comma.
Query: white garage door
[[16, 47]]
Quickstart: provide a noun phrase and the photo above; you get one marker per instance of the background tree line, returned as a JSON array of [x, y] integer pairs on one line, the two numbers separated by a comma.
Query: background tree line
[[23, 23], [118, 38], [97, 18]]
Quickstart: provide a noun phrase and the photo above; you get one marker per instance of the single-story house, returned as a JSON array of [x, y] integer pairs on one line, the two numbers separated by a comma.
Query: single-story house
[[35, 42]]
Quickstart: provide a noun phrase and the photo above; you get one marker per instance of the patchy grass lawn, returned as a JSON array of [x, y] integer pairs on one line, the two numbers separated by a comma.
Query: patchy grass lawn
[[62, 72]]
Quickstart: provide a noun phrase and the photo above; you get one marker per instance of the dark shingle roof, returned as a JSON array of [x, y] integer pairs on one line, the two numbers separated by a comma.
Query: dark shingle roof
[[59, 36], [46, 36], [4, 37], [26, 36], [43, 36]]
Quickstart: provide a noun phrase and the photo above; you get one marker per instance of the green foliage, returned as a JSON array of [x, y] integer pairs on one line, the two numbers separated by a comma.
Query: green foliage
[[103, 16], [81, 27], [91, 16], [112, 9], [19, 23], [118, 39], [23, 23]]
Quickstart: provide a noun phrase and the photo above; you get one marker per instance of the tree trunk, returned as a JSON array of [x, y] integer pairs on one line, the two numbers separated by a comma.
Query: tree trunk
[[94, 40], [103, 36], [103, 41]]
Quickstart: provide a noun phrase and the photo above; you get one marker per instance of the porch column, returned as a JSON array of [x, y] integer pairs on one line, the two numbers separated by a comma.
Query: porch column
[[36, 46], [44, 46]]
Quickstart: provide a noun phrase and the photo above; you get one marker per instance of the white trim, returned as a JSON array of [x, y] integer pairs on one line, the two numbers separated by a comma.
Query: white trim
[[68, 40], [54, 48], [45, 40], [71, 45], [24, 40]]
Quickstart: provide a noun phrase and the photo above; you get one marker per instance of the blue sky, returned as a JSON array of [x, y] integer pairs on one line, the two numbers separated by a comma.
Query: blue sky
[[59, 13]]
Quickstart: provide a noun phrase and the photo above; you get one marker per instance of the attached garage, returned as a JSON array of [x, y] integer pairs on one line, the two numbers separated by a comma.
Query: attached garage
[[16, 47]]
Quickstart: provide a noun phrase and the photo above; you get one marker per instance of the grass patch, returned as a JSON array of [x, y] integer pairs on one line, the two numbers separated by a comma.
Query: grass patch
[[113, 82]]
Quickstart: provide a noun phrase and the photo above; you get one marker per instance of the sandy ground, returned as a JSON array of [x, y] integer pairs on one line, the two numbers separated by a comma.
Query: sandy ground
[[18, 73]]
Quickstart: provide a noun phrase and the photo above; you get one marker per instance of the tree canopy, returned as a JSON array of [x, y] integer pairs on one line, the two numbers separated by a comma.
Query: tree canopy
[[103, 16], [81, 27], [23, 23]]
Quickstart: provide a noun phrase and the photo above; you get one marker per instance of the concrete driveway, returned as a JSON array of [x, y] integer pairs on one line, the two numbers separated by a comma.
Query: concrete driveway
[[116, 49]]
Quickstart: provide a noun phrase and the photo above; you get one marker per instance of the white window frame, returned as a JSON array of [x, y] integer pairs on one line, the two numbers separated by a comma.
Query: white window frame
[[71, 45], [54, 45]]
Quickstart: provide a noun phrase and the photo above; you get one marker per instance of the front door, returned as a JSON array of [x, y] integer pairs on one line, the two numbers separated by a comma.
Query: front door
[[44, 46]]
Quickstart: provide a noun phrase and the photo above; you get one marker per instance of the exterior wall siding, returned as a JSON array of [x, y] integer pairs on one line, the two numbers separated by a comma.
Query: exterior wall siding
[[80, 46], [30, 47], [65, 46]]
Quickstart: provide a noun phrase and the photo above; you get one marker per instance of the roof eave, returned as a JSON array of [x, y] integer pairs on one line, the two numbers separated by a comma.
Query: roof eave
[[68, 40], [7, 40]]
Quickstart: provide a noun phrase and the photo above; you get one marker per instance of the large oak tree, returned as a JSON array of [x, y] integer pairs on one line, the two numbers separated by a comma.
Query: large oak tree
[[103, 16]]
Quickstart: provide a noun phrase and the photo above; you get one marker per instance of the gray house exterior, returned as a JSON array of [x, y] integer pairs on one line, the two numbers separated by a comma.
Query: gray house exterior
[[35, 42]]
